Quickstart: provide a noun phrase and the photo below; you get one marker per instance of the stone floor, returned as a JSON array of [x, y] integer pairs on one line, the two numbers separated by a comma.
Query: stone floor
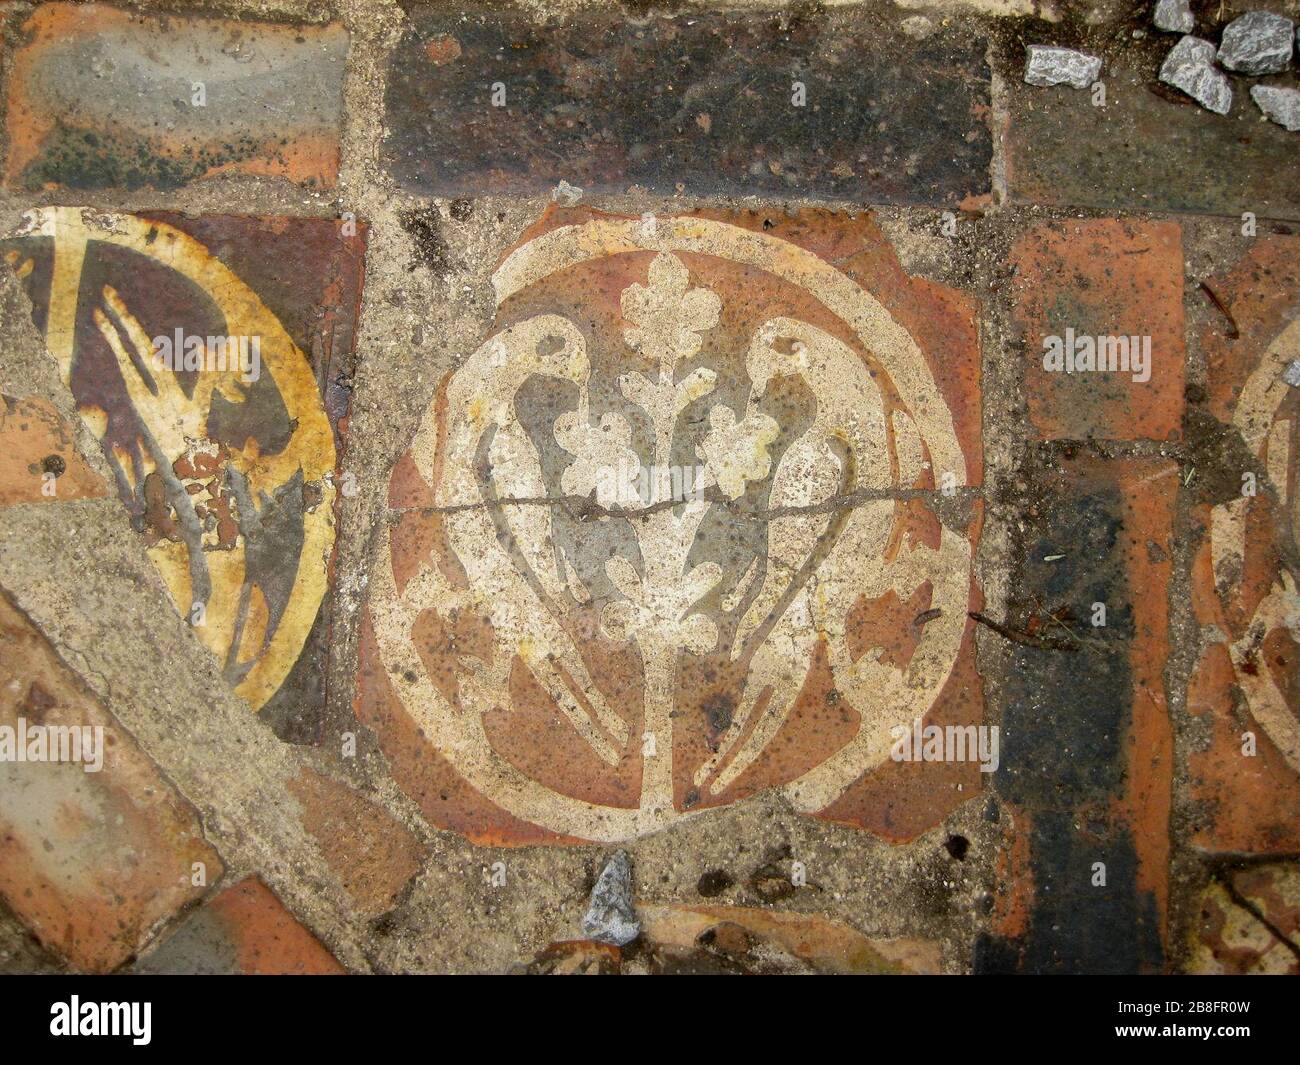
[[595, 487]]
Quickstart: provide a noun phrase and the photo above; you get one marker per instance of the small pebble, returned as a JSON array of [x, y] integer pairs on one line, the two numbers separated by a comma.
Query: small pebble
[[1048, 65], [1280, 105], [1174, 16], [1258, 42], [1190, 68]]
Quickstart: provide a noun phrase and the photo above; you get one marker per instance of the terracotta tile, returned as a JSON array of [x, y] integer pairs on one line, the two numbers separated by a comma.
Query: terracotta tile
[[515, 688], [1102, 278], [42, 464], [230, 473], [244, 931], [93, 862], [1249, 925], [827, 106], [105, 98], [1247, 779], [369, 849], [1086, 772]]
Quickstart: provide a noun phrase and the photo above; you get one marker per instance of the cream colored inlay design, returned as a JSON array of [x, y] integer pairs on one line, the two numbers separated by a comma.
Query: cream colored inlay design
[[846, 449], [1268, 437]]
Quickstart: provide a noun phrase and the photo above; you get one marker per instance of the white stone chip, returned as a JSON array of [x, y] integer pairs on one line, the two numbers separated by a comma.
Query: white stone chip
[[1189, 66], [1259, 42], [1049, 65], [1174, 16], [1281, 105], [611, 915]]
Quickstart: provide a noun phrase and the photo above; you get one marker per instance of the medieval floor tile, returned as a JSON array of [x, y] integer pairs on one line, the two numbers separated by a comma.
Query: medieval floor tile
[[101, 97], [1098, 303], [1086, 775], [704, 102], [695, 521], [373, 854], [1250, 924], [247, 931], [1246, 684], [1147, 148], [212, 356], [96, 848], [41, 461]]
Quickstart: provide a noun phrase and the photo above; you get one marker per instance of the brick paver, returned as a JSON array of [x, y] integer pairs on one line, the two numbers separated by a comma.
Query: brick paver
[[95, 854]]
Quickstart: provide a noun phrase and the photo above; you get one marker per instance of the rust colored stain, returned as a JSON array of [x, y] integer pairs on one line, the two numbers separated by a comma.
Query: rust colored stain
[[373, 854]]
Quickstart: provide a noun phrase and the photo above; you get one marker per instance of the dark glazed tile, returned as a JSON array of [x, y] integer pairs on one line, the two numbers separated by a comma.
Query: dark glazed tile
[[698, 102], [231, 477], [1148, 148], [1087, 762]]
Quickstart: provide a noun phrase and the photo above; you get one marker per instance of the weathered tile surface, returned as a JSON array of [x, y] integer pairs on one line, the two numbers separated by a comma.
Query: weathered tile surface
[[100, 97], [229, 473], [1111, 283], [699, 940], [92, 861], [41, 462], [245, 931], [546, 659], [700, 102], [1249, 923], [371, 851], [1247, 777], [1087, 767], [1148, 148]]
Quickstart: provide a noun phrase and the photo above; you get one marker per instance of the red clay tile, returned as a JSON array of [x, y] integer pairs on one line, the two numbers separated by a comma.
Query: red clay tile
[[41, 464], [244, 931], [372, 853], [93, 862], [1088, 768], [101, 98], [1247, 681], [1103, 279], [515, 690]]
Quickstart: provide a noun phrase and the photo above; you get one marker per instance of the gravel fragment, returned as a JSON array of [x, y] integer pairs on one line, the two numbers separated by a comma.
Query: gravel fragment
[[1258, 42], [1048, 65], [1291, 375], [1281, 105], [610, 916], [1189, 66], [1174, 16]]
